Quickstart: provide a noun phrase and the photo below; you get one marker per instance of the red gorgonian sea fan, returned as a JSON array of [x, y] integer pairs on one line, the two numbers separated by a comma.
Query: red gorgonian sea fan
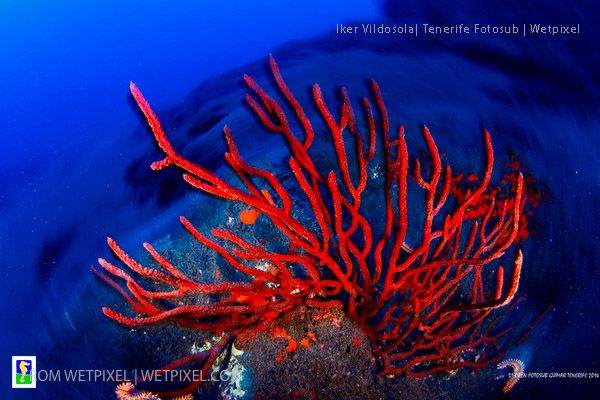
[[428, 306]]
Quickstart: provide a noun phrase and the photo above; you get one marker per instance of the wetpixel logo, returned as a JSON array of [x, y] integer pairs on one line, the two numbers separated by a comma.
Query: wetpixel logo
[[23, 372]]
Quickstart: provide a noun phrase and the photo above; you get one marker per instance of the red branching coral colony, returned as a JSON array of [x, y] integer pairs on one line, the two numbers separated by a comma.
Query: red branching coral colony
[[429, 307]]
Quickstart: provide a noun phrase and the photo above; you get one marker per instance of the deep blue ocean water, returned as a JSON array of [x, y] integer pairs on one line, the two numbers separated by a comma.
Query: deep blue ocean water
[[76, 154]]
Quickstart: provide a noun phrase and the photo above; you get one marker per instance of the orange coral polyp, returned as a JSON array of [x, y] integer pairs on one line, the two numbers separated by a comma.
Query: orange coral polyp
[[249, 216]]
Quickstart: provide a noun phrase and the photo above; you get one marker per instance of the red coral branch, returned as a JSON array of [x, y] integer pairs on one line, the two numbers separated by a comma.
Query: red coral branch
[[411, 301]]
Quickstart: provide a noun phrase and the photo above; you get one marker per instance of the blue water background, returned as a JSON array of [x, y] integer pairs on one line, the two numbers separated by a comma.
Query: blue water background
[[75, 156]]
